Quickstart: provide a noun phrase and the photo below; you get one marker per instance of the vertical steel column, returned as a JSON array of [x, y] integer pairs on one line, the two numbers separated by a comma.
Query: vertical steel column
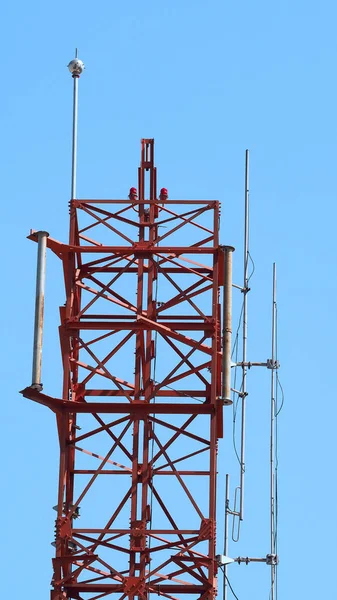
[[150, 216], [39, 309]]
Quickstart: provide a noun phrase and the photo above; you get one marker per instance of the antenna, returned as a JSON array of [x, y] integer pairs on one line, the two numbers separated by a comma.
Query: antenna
[[242, 392], [272, 363], [76, 67], [274, 367], [225, 546], [244, 338]]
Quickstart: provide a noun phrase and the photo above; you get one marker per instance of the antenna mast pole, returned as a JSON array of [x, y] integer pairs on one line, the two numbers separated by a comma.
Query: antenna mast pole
[[75, 67], [226, 537], [272, 436], [244, 336]]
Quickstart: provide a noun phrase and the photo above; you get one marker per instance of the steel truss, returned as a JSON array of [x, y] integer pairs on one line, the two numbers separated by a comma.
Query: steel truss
[[141, 408]]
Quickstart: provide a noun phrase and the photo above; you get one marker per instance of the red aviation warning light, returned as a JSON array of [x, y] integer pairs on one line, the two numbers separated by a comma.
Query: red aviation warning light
[[133, 193], [163, 194]]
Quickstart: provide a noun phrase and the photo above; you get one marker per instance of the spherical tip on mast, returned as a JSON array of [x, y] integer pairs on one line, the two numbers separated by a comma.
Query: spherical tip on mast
[[76, 66]]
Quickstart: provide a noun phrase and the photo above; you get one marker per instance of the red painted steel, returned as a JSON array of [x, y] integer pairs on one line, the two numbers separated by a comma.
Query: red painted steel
[[141, 351]]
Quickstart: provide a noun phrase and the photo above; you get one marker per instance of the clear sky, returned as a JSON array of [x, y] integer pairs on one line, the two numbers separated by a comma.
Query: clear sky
[[207, 80]]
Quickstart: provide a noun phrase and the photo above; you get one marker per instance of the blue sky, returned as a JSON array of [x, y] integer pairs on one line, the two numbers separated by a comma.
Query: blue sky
[[207, 80]]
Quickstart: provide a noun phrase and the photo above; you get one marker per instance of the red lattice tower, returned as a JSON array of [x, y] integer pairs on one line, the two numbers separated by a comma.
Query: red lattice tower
[[141, 409]]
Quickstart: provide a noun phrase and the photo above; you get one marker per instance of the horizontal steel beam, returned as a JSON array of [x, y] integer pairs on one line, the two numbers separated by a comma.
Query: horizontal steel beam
[[140, 408], [159, 394], [121, 472], [156, 588], [79, 202], [163, 318], [200, 270], [144, 251], [137, 249], [138, 325], [136, 407], [148, 531]]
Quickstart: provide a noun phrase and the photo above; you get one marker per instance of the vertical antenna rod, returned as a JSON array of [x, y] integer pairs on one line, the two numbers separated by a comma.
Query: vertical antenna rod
[[244, 337], [39, 309], [272, 436], [225, 546], [75, 67]]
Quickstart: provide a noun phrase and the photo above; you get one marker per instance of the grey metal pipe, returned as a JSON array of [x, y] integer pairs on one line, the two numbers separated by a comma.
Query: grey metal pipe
[[227, 325], [39, 308]]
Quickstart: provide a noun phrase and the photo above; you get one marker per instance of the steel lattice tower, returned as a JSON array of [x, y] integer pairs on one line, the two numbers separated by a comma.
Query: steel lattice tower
[[143, 395]]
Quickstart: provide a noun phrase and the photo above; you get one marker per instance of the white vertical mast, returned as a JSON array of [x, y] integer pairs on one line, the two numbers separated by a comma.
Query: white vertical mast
[[75, 67]]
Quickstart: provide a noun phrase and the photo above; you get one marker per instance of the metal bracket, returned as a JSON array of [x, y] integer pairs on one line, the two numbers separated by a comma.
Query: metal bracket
[[273, 364], [270, 364], [240, 394], [272, 559]]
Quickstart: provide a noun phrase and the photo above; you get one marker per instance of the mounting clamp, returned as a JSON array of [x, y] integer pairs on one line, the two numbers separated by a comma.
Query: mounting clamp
[[273, 364]]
